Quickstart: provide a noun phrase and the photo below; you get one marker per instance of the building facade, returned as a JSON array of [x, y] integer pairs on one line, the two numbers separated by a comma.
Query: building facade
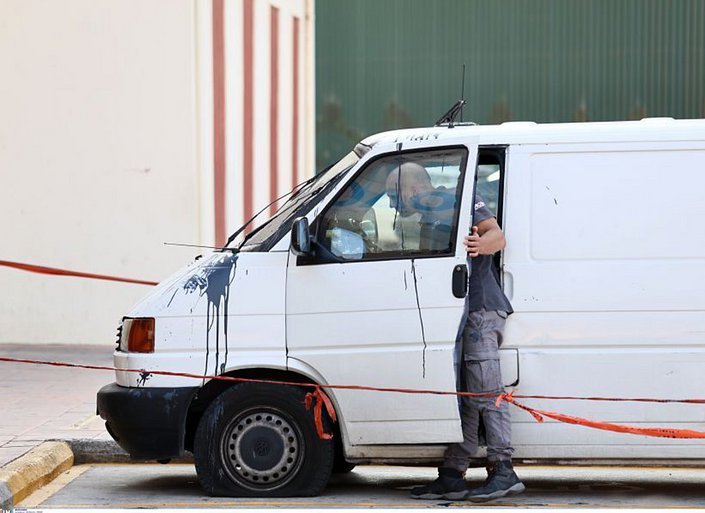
[[127, 124]]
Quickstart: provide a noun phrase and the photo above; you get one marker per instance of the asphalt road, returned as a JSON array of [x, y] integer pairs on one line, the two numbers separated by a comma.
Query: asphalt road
[[176, 486]]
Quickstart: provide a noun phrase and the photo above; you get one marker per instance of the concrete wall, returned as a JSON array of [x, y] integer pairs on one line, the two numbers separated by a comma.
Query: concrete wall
[[107, 150]]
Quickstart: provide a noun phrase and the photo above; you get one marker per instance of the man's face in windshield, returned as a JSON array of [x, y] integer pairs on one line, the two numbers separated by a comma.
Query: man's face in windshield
[[405, 185]]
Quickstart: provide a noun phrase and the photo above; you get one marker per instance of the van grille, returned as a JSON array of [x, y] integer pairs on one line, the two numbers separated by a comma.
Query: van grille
[[119, 335]]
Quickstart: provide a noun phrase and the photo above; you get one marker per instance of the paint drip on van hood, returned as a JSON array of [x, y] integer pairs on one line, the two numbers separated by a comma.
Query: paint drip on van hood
[[213, 281], [201, 289]]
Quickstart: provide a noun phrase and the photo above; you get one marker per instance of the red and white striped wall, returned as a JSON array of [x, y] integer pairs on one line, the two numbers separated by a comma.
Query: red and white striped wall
[[255, 107]]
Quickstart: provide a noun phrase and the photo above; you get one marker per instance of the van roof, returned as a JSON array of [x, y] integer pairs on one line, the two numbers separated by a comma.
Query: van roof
[[527, 132]]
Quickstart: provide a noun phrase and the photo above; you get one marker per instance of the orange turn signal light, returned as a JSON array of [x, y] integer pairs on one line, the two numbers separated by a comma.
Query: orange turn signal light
[[141, 335]]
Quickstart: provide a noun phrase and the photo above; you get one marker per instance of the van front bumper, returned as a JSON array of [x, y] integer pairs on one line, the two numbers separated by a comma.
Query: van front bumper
[[149, 423]]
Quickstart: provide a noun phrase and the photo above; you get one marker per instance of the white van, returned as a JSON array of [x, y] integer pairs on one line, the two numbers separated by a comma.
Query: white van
[[604, 266]]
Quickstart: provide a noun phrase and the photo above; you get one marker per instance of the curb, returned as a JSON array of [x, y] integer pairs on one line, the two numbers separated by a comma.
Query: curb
[[31, 471], [97, 451], [107, 451], [37, 467]]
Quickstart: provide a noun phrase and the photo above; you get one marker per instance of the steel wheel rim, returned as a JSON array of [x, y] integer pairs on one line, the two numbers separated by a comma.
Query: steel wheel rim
[[262, 449]]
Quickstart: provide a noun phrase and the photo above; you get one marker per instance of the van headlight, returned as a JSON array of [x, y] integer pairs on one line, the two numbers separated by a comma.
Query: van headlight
[[137, 335]]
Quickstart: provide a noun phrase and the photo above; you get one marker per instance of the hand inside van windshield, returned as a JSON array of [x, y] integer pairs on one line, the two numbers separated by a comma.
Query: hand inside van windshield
[[299, 203]]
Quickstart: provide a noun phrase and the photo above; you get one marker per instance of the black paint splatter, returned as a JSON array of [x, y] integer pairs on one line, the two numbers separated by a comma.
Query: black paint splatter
[[214, 281], [418, 306], [144, 376]]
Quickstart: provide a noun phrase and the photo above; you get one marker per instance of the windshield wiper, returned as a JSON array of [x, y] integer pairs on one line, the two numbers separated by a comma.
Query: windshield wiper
[[291, 193]]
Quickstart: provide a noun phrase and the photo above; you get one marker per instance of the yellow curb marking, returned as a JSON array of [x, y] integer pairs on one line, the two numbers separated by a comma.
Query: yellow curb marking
[[36, 468], [44, 493], [85, 422]]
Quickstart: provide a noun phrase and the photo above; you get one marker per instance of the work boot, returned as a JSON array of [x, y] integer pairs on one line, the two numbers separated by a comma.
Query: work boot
[[501, 481], [450, 485]]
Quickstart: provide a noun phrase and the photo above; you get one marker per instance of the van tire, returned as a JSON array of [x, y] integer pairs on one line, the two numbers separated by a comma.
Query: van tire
[[340, 466], [343, 467], [258, 440]]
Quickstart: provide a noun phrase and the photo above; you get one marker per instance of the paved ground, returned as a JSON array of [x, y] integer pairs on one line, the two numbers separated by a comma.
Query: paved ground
[[42, 403], [176, 486]]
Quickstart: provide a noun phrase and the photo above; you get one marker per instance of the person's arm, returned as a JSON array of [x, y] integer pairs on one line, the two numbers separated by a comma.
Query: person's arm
[[485, 239]]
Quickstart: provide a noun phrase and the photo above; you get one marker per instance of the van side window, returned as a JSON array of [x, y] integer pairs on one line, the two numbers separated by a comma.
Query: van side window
[[490, 178], [401, 205], [490, 184]]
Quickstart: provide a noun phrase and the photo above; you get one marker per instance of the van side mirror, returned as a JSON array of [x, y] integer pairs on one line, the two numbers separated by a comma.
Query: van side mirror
[[300, 237]]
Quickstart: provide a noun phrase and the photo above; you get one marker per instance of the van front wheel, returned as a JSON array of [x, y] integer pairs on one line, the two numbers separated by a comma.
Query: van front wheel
[[258, 440]]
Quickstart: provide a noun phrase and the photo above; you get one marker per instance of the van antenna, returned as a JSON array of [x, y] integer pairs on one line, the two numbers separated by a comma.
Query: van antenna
[[293, 192], [449, 117], [220, 248], [462, 93]]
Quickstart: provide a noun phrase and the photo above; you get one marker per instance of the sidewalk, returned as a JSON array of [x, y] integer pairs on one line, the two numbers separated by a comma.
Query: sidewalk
[[39, 402]]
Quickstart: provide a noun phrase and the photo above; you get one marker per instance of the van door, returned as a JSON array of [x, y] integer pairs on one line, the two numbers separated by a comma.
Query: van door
[[607, 261], [356, 312]]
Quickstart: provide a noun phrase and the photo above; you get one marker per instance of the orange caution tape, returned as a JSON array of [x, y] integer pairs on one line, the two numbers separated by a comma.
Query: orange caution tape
[[321, 399], [605, 426], [64, 272]]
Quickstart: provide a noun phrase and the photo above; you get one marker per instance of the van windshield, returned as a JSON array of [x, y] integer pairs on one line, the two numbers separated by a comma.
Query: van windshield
[[266, 236]]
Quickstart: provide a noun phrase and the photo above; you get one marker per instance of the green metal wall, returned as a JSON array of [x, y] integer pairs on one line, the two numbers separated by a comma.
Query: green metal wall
[[383, 64]]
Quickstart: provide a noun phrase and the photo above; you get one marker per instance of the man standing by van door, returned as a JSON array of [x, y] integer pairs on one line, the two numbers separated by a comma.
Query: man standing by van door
[[477, 349]]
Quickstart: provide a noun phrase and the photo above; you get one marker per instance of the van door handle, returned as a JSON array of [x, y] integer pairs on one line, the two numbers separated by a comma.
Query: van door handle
[[460, 281], [508, 283]]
